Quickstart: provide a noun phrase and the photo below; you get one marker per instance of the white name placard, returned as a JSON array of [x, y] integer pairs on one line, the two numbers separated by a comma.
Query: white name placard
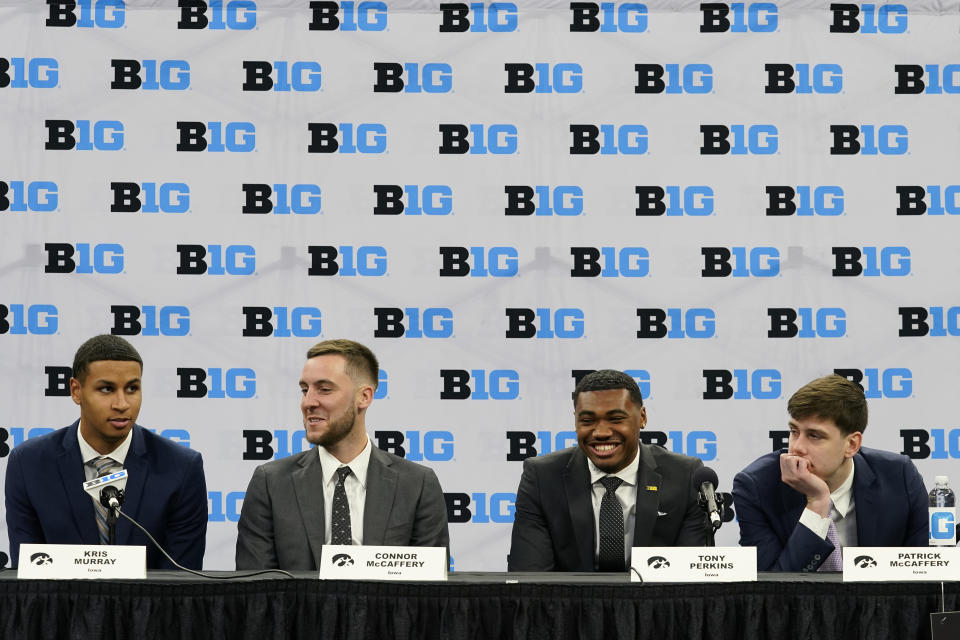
[[693, 564], [73, 561], [870, 564], [350, 562]]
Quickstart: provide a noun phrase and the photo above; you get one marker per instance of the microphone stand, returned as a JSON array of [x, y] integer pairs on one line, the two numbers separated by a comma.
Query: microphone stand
[[108, 496], [710, 527]]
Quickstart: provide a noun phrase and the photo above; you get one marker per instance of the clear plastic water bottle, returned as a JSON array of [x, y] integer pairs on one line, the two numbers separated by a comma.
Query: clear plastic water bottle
[[943, 514]]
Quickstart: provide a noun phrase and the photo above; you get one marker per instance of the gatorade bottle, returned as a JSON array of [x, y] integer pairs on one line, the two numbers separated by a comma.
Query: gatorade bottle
[[943, 514]]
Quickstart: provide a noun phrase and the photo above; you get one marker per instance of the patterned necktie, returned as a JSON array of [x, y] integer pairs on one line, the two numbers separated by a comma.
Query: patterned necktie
[[611, 526], [834, 561], [104, 466], [340, 517]]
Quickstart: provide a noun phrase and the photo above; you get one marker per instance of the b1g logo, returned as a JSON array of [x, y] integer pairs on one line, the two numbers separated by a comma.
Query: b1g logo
[[741, 384], [739, 17], [754, 139], [691, 201], [698, 444], [348, 16], [413, 77], [150, 75], [608, 17], [543, 200], [544, 324], [869, 18], [58, 381], [100, 14], [608, 139], [433, 446], [32, 319], [478, 139], [459, 17], [610, 262], [936, 322], [19, 435], [150, 320], [528, 444], [821, 200], [431, 200], [282, 322], [437, 322], [562, 77], [225, 507], [150, 197], [480, 508], [19, 196], [354, 138], [497, 384], [217, 383], [917, 443], [33, 73], [260, 444], [807, 322], [748, 262], [915, 79], [84, 135], [239, 15], [695, 79], [281, 75], [369, 261], [216, 260], [895, 382], [943, 199], [83, 257], [235, 137], [282, 199], [886, 140], [676, 323], [804, 78], [479, 262], [871, 261]]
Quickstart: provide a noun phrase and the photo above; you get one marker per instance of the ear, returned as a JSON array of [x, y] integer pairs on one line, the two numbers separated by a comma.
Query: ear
[[854, 440], [75, 387], [643, 417], [364, 396]]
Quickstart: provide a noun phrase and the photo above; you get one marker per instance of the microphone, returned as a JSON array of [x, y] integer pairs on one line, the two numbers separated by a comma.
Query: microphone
[[705, 481], [108, 490]]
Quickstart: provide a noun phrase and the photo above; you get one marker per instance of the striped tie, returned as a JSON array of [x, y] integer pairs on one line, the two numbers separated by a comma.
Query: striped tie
[[104, 466]]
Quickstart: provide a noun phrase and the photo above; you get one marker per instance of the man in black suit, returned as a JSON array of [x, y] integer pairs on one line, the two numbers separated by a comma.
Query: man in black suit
[[584, 508]]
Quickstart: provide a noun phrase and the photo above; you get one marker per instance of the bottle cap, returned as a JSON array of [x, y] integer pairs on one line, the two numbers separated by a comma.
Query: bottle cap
[[942, 480]]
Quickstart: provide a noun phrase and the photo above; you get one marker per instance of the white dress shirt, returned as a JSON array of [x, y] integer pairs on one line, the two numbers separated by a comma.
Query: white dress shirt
[[843, 513], [626, 494], [88, 453], [355, 486]]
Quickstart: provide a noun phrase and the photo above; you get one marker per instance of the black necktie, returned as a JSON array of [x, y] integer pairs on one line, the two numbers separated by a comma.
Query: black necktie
[[340, 517], [611, 526]]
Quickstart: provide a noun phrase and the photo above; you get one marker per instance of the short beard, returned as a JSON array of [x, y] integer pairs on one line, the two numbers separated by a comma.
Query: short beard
[[337, 429]]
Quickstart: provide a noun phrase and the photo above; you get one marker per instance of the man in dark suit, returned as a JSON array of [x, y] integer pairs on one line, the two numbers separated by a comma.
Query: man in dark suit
[[165, 492], [584, 508], [799, 507], [344, 491]]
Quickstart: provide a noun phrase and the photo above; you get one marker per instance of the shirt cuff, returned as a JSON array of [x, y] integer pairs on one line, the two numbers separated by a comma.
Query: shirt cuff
[[812, 520]]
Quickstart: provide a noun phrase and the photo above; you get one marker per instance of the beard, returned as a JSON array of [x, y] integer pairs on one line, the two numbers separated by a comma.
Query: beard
[[337, 429]]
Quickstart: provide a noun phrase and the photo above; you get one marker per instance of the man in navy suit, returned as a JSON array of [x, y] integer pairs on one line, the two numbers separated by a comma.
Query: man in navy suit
[[166, 491], [826, 486]]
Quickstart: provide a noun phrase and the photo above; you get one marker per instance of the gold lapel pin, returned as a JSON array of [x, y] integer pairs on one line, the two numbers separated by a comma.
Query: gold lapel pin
[[651, 487]]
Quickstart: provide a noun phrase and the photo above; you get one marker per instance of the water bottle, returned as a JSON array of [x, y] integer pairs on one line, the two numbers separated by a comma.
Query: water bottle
[[943, 514]]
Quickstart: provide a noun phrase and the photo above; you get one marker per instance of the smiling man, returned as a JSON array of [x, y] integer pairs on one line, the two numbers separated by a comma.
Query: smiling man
[[584, 508], [801, 506], [165, 492], [345, 491]]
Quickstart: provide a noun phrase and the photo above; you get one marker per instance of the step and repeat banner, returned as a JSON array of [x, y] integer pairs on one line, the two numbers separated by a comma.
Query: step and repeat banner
[[724, 200]]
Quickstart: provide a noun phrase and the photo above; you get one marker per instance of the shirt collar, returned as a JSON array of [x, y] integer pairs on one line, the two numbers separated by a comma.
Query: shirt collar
[[88, 453], [843, 497], [628, 474], [358, 466]]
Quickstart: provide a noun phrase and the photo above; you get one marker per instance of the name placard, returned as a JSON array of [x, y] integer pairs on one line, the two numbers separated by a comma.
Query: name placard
[[351, 562], [73, 561], [693, 564], [862, 564]]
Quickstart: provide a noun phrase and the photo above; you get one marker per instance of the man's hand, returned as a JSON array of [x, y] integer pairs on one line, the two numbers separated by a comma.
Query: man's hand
[[795, 473]]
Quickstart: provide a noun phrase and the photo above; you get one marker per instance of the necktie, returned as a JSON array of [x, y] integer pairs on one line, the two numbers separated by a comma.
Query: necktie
[[104, 466], [834, 561], [611, 526], [340, 517]]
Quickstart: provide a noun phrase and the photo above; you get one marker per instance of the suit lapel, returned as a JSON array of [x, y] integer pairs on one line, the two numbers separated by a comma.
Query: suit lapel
[[869, 532], [136, 465], [381, 488], [70, 467], [648, 499], [794, 503], [576, 483], [308, 488]]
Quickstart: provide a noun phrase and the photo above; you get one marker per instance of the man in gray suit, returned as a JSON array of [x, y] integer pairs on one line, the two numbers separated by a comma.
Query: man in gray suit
[[344, 491]]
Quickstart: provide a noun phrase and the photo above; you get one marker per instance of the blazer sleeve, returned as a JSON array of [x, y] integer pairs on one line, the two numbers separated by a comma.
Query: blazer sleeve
[[531, 547], [186, 527], [430, 521], [23, 524], [918, 518], [803, 550], [255, 537]]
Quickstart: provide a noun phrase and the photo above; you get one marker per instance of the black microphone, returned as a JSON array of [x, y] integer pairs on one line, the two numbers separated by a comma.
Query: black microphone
[[705, 481]]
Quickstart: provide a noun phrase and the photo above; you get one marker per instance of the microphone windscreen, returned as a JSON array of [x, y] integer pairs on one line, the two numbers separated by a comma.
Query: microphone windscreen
[[705, 474]]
